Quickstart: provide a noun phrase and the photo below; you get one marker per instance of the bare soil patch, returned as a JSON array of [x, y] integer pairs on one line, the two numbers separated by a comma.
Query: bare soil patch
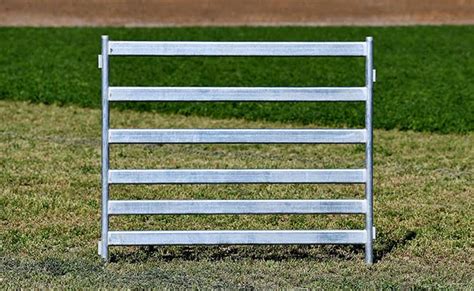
[[233, 12]]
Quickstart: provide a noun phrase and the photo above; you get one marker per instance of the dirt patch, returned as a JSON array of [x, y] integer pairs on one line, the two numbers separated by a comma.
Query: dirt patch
[[233, 12]]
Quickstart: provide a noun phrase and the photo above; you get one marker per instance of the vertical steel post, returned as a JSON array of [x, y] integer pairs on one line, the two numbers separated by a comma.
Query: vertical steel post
[[105, 146], [369, 152]]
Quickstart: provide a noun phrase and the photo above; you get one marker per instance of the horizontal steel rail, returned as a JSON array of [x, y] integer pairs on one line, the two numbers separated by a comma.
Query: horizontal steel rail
[[233, 136], [199, 176], [236, 136], [242, 94], [199, 48], [121, 207], [222, 237]]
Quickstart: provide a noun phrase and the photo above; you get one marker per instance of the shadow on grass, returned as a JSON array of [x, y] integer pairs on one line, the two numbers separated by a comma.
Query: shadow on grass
[[217, 253], [383, 247], [386, 246], [50, 266], [58, 267]]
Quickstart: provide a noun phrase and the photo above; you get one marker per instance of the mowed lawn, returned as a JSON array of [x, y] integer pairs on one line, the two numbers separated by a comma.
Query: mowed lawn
[[50, 207], [424, 73]]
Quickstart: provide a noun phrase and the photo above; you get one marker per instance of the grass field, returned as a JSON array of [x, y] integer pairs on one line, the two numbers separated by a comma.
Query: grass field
[[424, 73], [50, 206]]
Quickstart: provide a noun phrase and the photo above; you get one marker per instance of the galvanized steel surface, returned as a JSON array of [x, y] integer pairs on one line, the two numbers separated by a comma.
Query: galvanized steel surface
[[369, 73], [117, 207], [201, 48], [237, 136], [247, 176], [212, 237], [105, 145], [242, 94]]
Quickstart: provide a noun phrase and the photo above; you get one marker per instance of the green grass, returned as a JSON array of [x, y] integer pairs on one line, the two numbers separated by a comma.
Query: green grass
[[424, 73], [50, 208]]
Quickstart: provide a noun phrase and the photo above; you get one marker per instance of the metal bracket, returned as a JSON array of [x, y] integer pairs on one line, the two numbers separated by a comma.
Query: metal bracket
[[373, 232], [99, 58], [374, 75], [99, 247]]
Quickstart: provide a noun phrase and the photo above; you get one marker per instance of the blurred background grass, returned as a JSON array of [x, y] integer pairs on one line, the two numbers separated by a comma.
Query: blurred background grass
[[424, 73]]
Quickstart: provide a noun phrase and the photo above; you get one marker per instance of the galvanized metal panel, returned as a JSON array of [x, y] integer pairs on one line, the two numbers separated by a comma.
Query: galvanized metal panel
[[201, 176], [199, 48], [237, 237], [233, 136], [242, 94], [237, 136], [120, 207]]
